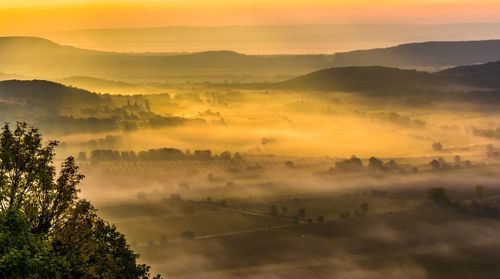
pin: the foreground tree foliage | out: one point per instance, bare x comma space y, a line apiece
45, 230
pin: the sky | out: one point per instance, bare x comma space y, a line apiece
23, 17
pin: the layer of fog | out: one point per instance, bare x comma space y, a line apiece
304, 124
313, 131
269, 39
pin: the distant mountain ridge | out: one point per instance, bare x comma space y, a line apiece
274, 39
427, 54
44, 59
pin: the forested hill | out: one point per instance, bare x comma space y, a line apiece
44, 59
426, 54
384, 79
483, 75
37, 57
364, 79
42, 91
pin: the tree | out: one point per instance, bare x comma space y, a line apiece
435, 165
479, 191
237, 157
437, 146
438, 196
443, 164
46, 231
187, 235
273, 210
226, 155
91, 246
21, 253
375, 164
352, 164
345, 215
365, 208
392, 166
28, 180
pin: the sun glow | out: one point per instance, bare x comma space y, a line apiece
29, 17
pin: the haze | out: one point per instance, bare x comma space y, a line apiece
250, 139
243, 25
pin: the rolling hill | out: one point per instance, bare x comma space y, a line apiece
46, 92
364, 79
43, 59
485, 75
427, 54
481, 77
57, 108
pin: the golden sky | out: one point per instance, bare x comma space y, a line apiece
18, 17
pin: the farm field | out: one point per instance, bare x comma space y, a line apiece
369, 245
247, 223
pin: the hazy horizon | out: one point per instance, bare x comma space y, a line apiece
251, 27
269, 39
250, 139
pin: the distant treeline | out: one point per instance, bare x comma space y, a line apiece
487, 133
355, 164
161, 154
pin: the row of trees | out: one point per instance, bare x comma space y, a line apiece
440, 197
46, 231
375, 164
487, 133
161, 154
300, 215
357, 212
441, 164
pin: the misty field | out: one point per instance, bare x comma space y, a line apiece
282, 192
377, 163
206, 227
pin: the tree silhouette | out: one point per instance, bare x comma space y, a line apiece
50, 232
479, 191
375, 164
439, 196
437, 146
365, 208
187, 234
273, 210
435, 165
